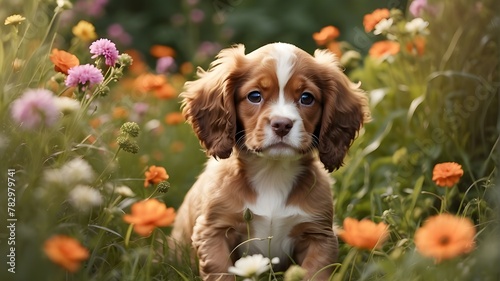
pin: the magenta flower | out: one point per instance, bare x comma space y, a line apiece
106, 48
34, 108
84, 75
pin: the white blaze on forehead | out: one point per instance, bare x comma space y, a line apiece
284, 55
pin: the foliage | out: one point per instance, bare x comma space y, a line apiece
434, 99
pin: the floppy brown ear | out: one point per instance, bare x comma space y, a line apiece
345, 109
208, 103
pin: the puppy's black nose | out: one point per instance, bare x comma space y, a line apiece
281, 126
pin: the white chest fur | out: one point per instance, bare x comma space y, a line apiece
272, 218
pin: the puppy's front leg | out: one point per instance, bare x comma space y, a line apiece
213, 251
315, 251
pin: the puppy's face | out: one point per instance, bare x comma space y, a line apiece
278, 103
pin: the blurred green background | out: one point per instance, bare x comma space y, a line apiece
185, 25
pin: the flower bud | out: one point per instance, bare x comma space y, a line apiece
130, 128
163, 186
125, 60
248, 215
127, 145
295, 273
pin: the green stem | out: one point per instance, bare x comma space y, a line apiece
129, 233
345, 265
154, 192
107, 166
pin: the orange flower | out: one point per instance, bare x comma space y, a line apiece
417, 46
364, 234
447, 174
174, 118
384, 48
445, 236
149, 214
155, 175
138, 66
63, 60
95, 122
159, 51
370, 20
157, 84
166, 91
186, 68
120, 112
334, 47
149, 82
65, 251
177, 146
326, 34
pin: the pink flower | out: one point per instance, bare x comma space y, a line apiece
197, 15
165, 64
417, 7
106, 48
117, 32
34, 108
84, 75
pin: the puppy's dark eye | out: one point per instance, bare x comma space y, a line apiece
306, 98
254, 97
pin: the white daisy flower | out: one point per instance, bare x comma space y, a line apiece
67, 105
417, 26
84, 197
383, 26
251, 266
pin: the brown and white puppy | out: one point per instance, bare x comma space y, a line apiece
276, 121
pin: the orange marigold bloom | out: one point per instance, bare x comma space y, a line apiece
364, 234
149, 82
155, 175
417, 46
447, 174
159, 51
384, 48
445, 236
166, 91
65, 251
148, 214
325, 35
370, 20
174, 118
63, 60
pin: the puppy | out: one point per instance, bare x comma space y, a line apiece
276, 121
